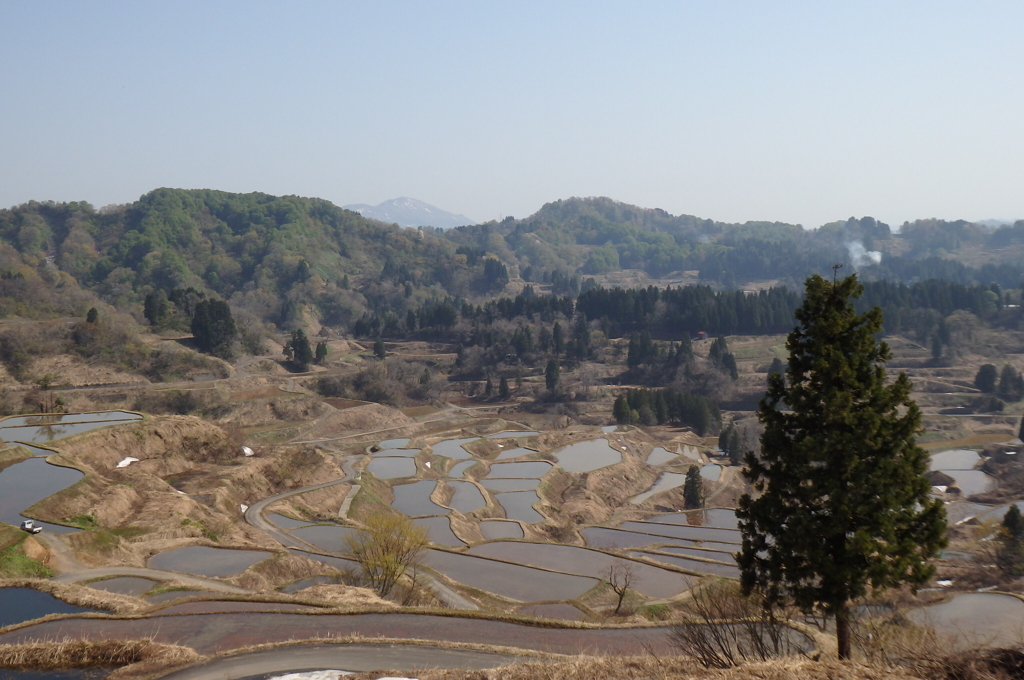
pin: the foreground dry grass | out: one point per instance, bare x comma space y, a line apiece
139, 658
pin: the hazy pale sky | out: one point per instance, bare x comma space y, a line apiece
794, 111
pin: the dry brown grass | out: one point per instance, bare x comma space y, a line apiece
80, 595
83, 654
671, 668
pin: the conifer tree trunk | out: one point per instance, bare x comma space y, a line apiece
843, 631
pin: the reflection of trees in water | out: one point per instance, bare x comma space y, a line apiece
51, 432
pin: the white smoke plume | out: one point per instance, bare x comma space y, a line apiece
861, 256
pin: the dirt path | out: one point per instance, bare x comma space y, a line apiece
214, 633
345, 657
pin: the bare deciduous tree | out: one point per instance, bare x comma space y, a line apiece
620, 576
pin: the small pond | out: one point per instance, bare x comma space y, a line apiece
512, 435
205, 561
413, 500
958, 459
392, 468
500, 485
496, 528
667, 480
514, 581
467, 497
647, 579
439, 530
125, 585
519, 505
660, 456
514, 453
452, 448
28, 482
287, 522
696, 565
326, 537
459, 469
721, 518
587, 456
687, 532
984, 619
527, 469
971, 482
396, 453
24, 604
558, 611
711, 472
393, 443
310, 582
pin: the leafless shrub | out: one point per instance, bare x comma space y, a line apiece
725, 629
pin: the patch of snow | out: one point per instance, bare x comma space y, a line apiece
126, 461
247, 452
427, 463
940, 488
243, 506
944, 584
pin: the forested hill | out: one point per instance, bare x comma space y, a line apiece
269, 255
594, 236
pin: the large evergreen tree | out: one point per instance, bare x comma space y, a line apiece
841, 503
213, 327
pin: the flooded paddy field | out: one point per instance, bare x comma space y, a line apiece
439, 530
660, 456
396, 453
210, 562
514, 581
649, 580
517, 452
287, 522
513, 435
459, 469
697, 566
28, 482
722, 518
666, 481
711, 472
125, 585
692, 533
587, 456
958, 459
326, 537
392, 468
172, 595
496, 528
47, 428
466, 497
452, 448
528, 469
18, 605
518, 505
976, 619
971, 482
394, 443
413, 500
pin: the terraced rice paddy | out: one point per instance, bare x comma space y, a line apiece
287, 522
557, 611
42, 429
466, 497
393, 443
528, 469
660, 456
413, 500
392, 468
396, 453
512, 435
171, 595
439, 530
971, 482
988, 619
24, 604
697, 566
711, 472
722, 518
204, 561
452, 448
26, 483
666, 481
459, 469
514, 581
125, 585
587, 456
691, 533
649, 580
958, 459
518, 505
326, 537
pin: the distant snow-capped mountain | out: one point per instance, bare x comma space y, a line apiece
409, 212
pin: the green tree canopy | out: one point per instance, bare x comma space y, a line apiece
985, 380
840, 500
213, 327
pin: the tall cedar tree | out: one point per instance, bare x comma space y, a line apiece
693, 489
551, 375
302, 353
213, 327
841, 500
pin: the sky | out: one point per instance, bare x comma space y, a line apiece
801, 112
